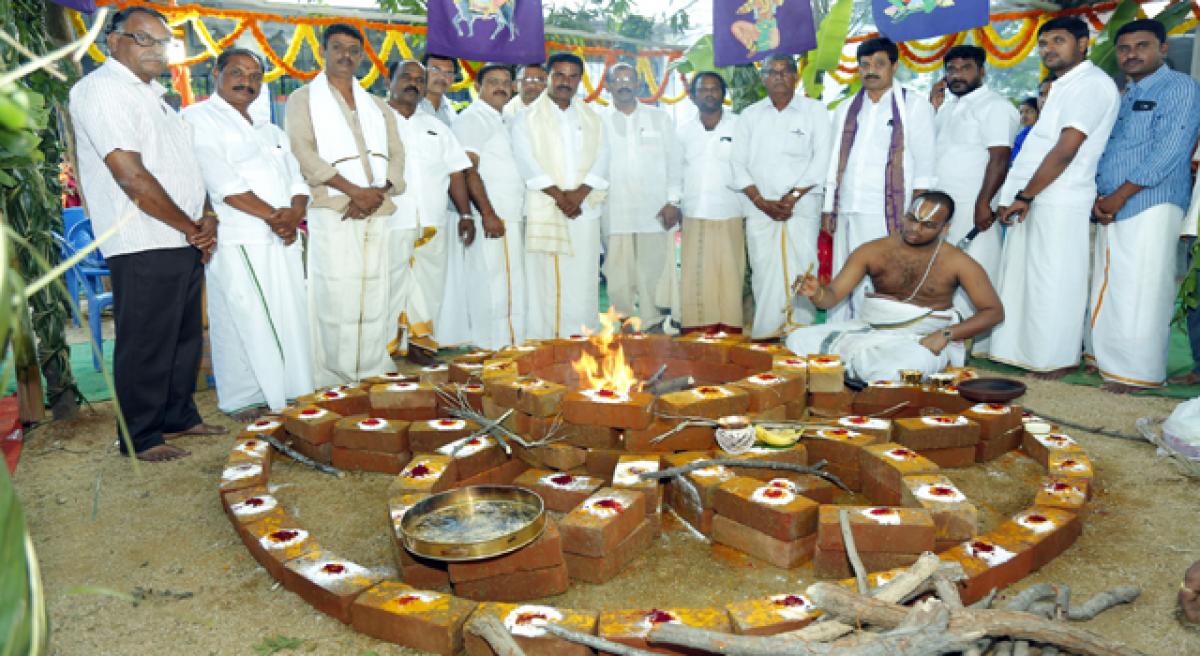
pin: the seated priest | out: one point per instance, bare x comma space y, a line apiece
908, 320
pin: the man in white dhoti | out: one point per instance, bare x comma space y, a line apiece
714, 235
441, 73
428, 286
531, 82
354, 166
909, 320
563, 156
257, 305
641, 210
495, 263
1144, 184
875, 169
975, 131
780, 153
1047, 199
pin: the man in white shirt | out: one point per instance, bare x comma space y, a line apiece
779, 160
354, 166
563, 156
714, 234
1047, 200
257, 309
138, 174
875, 170
442, 73
428, 292
495, 263
531, 82
975, 131
640, 208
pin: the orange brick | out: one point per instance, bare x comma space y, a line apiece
831, 403
884, 465
311, 423
710, 401
937, 432
631, 626
826, 374
419, 619
517, 586
880, 429
955, 518
780, 553
524, 623
432, 434
841, 449
771, 389
343, 399
404, 396
371, 434
598, 569
959, 456
1039, 447
436, 374
626, 476
275, 538
877, 529
328, 583
836, 564
371, 461
560, 491
692, 438
605, 408
1065, 493
602, 521
771, 615
425, 473
775, 509
545, 551
797, 454
1051, 531
757, 357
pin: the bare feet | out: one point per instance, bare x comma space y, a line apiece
1190, 378
1119, 388
163, 453
1055, 374
246, 416
1189, 594
198, 429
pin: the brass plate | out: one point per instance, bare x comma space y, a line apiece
470, 523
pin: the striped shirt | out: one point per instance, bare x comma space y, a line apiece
112, 109
1151, 144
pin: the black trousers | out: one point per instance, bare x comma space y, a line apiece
159, 340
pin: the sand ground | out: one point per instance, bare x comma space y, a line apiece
160, 535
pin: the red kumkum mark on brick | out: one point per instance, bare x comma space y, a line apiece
881, 512
941, 491
562, 479
773, 492
447, 422
708, 391
902, 453
982, 547
405, 600
766, 376
263, 422
283, 535
254, 502
250, 444
790, 600
1036, 519
331, 395
529, 618
1069, 463
1062, 487
310, 412
996, 406
420, 471
657, 616
606, 394
333, 568
371, 422
610, 504
858, 420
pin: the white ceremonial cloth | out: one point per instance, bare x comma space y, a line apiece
705, 170
1133, 296
967, 127
257, 305
563, 290
114, 110
777, 151
348, 297
863, 185
335, 140
641, 154
883, 340
1043, 278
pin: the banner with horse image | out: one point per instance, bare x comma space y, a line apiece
906, 20
745, 31
506, 31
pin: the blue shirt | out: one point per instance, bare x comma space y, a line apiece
1151, 144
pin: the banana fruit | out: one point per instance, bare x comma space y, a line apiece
781, 437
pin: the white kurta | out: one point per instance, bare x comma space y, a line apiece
564, 290
427, 264
777, 151
641, 144
1043, 279
861, 191
967, 127
495, 267
257, 309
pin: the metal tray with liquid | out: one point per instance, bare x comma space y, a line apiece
471, 523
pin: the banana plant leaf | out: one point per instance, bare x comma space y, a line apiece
831, 38
1104, 51
1174, 15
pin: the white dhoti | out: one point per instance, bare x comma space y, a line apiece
984, 249
853, 230
496, 302
1133, 296
418, 280
348, 297
452, 323
258, 325
779, 252
1043, 287
883, 340
633, 265
564, 290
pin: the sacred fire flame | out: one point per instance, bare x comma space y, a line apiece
612, 372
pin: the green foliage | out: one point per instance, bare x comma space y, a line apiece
1104, 51
276, 644
831, 38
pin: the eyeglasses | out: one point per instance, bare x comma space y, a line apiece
434, 70
786, 72
146, 41
533, 80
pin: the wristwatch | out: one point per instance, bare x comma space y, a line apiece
466, 217
947, 333
795, 193
1023, 198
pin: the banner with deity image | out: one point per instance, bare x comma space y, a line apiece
505, 31
906, 20
745, 31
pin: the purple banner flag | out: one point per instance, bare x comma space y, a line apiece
83, 6
906, 20
749, 30
507, 31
